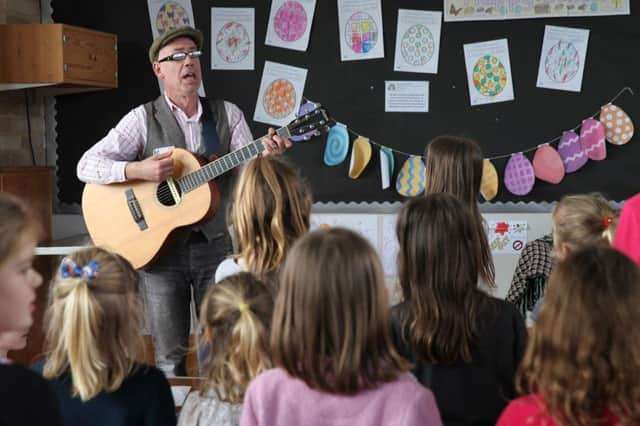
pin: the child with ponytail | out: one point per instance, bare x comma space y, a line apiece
579, 221
235, 319
93, 344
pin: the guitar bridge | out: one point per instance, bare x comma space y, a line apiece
135, 210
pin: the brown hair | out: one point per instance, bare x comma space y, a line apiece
584, 219
17, 225
438, 274
271, 210
94, 325
584, 354
235, 318
331, 324
454, 165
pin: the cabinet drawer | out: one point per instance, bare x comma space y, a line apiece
89, 57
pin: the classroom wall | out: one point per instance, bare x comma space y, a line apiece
14, 136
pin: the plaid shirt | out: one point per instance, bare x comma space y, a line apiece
531, 274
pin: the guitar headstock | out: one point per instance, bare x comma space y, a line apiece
312, 120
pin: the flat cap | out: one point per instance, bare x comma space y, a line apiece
172, 34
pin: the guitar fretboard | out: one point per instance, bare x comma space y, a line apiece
212, 170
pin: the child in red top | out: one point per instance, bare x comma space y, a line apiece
583, 359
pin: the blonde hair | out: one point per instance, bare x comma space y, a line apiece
235, 320
584, 353
331, 324
94, 325
271, 209
454, 165
584, 219
17, 225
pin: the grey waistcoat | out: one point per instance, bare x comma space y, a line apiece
163, 130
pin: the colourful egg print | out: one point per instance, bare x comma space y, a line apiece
361, 32
290, 21
417, 45
562, 62
233, 43
171, 15
489, 76
279, 99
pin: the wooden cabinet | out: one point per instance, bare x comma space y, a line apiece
33, 185
35, 55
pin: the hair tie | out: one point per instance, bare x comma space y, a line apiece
607, 221
243, 307
68, 268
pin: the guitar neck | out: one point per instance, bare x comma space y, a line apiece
212, 170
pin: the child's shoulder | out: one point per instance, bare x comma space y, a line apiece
527, 409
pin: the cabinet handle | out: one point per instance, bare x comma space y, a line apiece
65, 67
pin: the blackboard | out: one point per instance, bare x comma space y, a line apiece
353, 92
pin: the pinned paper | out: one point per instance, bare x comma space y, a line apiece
571, 152
618, 125
519, 176
489, 182
360, 156
386, 166
411, 178
592, 139
547, 164
507, 236
335, 151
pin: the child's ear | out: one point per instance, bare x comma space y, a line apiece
210, 334
564, 250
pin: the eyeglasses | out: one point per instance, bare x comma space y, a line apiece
181, 56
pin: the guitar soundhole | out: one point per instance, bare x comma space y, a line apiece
166, 196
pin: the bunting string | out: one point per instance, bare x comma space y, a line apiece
497, 157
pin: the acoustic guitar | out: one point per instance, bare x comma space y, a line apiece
135, 218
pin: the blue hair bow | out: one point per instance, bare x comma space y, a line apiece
68, 268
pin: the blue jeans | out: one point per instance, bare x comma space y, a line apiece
189, 262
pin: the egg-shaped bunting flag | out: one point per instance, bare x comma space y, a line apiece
360, 156
489, 182
518, 175
571, 152
335, 150
592, 139
618, 125
386, 166
411, 177
547, 164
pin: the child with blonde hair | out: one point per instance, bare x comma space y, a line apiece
331, 343
582, 363
235, 320
464, 344
454, 165
271, 210
579, 221
25, 399
93, 344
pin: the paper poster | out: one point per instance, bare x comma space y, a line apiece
406, 96
477, 10
418, 41
232, 38
364, 224
169, 14
390, 246
165, 15
360, 26
507, 236
290, 23
280, 93
562, 59
488, 72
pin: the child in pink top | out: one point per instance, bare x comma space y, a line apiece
582, 363
332, 345
627, 238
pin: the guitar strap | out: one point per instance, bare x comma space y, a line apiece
209, 133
